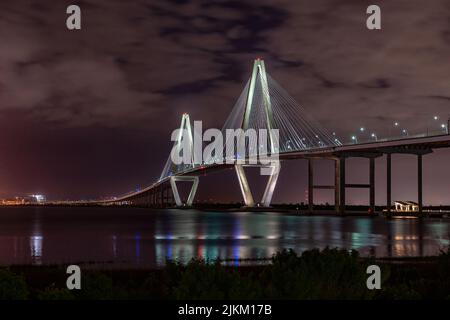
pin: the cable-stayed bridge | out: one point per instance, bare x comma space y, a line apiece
264, 105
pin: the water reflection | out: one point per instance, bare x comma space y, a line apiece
36, 249
36, 240
141, 237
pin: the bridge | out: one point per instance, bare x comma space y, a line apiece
264, 104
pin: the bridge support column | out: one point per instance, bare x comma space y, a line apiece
167, 198
419, 152
372, 184
161, 196
310, 185
388, 182
176, 194
270, 187
342, 185
245, 187
337, 180
164, 196
336, 186
419, 183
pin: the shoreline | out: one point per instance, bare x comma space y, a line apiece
322, 210
228, 263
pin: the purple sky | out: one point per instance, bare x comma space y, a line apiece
89, 113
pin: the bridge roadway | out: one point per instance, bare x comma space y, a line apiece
159, 194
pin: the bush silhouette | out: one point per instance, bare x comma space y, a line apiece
326, 274
12, 286
200, 280
96, 286
51, 293
315, 274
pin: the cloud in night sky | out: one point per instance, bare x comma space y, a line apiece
89, 113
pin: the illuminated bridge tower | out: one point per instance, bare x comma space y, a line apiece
264, 104
171, 169
258, 114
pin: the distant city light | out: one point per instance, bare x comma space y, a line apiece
38, 197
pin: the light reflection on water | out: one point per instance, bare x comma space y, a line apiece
143, 237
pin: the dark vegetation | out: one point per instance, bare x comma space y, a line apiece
326, 274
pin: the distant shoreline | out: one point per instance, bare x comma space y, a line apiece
242, 263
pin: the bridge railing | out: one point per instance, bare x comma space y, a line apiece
403, 135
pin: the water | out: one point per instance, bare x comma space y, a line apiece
144, 238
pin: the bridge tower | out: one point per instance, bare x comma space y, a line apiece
259, 78
170, 169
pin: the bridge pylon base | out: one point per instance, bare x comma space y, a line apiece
245, 187
176, 194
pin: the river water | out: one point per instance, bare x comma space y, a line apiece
137, 237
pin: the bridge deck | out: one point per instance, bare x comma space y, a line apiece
405, 145
414, 145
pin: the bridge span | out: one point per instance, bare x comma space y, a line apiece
263, 104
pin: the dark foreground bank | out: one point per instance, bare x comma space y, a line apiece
326, 274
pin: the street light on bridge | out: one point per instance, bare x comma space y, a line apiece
373, 135
355, 139
396, 125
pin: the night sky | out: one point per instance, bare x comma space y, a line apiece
89, 113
